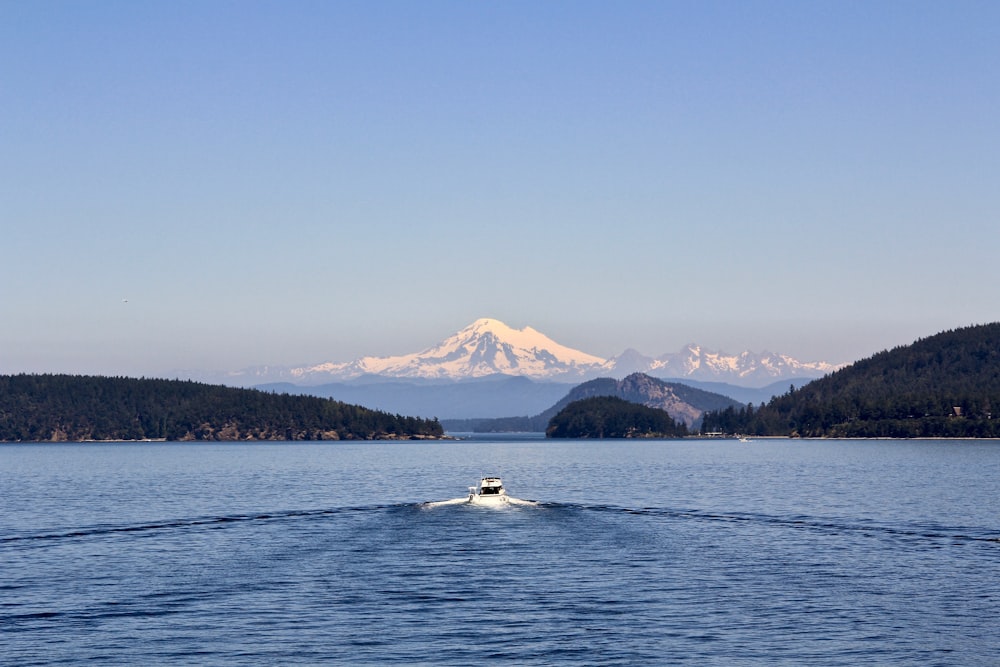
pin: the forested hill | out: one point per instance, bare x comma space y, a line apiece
75, 408
612, 417
946, 385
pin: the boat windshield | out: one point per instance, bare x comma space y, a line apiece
487, 490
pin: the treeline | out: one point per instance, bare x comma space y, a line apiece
77, 408
946, 385
612, 417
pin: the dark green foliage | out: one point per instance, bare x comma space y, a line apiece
70, 407
612, 417
943, 386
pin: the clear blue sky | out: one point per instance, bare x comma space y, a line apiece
297, 182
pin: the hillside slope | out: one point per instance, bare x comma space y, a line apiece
947, 385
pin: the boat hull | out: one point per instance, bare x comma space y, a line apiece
477, 499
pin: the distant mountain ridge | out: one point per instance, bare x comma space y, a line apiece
683, 403
489, 397
490, 347
492, 396
695, 362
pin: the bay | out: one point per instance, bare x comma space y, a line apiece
773, 552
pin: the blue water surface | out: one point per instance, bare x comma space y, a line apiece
774, 552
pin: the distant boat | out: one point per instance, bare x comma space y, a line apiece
743, 438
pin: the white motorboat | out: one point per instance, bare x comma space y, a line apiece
490, 492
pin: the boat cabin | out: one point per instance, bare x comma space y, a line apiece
490, 486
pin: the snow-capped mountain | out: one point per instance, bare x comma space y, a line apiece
489, 347
485, 347
697, 363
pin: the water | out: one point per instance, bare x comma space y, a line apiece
666, 553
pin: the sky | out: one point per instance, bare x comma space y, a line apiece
217, 185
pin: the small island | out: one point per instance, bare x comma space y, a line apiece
612, 417
73, 408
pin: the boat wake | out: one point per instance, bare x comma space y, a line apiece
182, 524
908, 532
442, 503
489, 493
832, 525
465, 501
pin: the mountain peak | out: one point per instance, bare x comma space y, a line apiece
488, 346
485, 347
487, 324
521, 341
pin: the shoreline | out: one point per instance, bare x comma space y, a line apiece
452, 438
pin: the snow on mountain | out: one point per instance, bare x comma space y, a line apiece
489, 347
696, 363
486, 347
